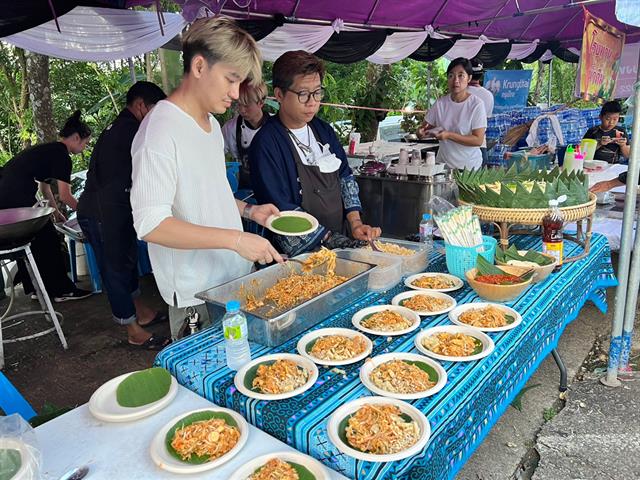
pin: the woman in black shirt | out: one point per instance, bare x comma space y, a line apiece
22, 176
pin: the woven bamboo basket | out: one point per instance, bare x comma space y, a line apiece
532, 216
506, 218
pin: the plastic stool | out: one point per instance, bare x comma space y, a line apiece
12, 402
92, 264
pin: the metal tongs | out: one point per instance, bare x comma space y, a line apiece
307, 265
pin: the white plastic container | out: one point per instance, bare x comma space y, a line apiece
411, 264
388, 271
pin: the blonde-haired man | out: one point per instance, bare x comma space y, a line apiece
182, 203
239, 131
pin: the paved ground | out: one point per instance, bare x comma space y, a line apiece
507, 452
596, 436
98, 351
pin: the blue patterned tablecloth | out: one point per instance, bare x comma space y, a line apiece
461, 414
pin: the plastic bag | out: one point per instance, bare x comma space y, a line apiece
20, 458
440, 206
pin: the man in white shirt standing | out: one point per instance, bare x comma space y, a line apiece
182, 202
475, 88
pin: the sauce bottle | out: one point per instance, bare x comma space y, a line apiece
552, 231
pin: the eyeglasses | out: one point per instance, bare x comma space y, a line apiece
304, 96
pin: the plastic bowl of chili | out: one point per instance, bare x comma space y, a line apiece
500, 287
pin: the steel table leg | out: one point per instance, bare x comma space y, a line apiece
563, 370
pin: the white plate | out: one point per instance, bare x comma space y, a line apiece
313, 465
405, 312
369, 365
454, 314
163, 459
103, 404
405, 295
351, 407
325, 332
458, 283
487, 343
301, 361
293, 213
28, 455
596, 164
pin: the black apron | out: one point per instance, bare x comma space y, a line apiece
244, 178
321, 192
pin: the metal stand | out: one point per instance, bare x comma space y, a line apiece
43, 297
581, 238
563, 370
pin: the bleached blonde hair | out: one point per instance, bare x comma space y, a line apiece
252, 93
220, 39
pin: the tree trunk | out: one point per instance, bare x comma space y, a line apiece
163, 70
366, 121
40, 96
539, 81
148, 66
24, 92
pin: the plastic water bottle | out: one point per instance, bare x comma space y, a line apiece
426, 230
236, 335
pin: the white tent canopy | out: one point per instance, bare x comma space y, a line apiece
104, 34
99, 34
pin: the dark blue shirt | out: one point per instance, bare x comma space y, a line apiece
274, 174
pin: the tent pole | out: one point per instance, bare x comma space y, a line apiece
549, 83
626, 299
429, 67
632, 289
132, 70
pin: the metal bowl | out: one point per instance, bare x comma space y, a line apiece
18, 226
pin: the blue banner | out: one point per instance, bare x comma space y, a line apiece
510, 88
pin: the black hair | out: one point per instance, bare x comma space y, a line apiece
74, 124
463, 62
478, 69
149, 92
292, 63
611, 107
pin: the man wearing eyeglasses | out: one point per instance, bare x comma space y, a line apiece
238, 132
298, 163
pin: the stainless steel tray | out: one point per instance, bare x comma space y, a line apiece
270, 328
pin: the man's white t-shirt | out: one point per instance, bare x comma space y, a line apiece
306, 137
179, 171
485, 95
487, 98
462, 118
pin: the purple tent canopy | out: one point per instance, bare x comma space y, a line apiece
492, 18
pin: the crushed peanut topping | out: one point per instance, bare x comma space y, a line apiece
379, 429
398, 376
386, 321
338, 347
212, 438
280, 377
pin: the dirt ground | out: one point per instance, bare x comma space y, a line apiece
98, 349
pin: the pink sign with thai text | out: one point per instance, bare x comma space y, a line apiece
628, 73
